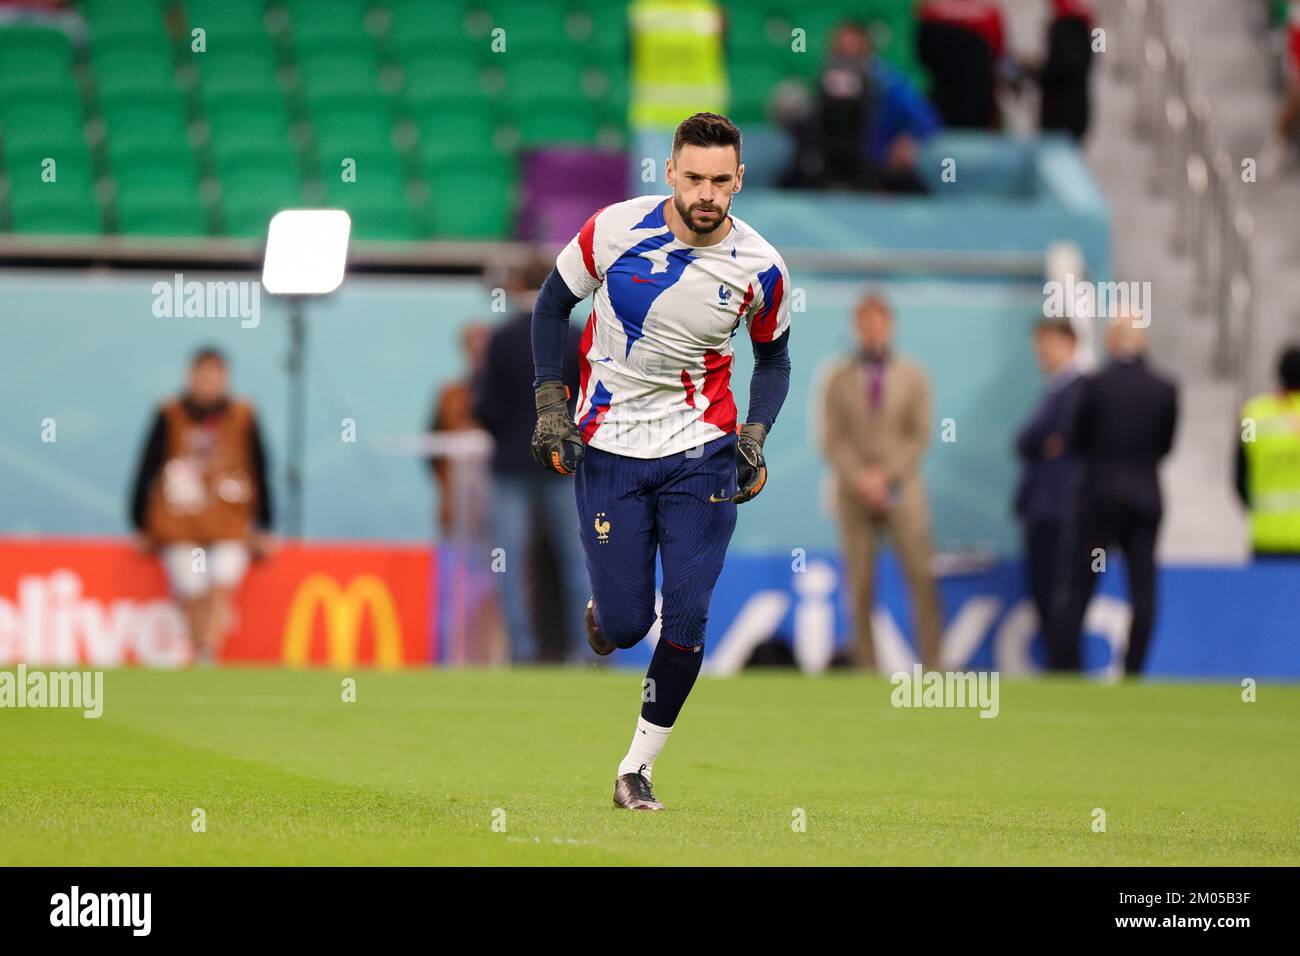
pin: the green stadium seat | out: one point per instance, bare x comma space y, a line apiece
151, 216
133, 67
377, 201
56, 212
139, 13
607, 37
259, 164
220, 18
555, 122
111, 21
275, 162
57, 99
391, 222
73, 170
320, 103
612, 98
749, 36
527, 23
144, 126
817, 25
471, 158
52, 123
243, 68
267, 100
425, 26
531, 76
379, 176
769, 8
332, 73
345, 130
255, 190
441, 79
469, 205
318, 25
164, 172
251, 221
457, 128
153, 46
459, 46
751, 89
161, 100
32, 59
239, 124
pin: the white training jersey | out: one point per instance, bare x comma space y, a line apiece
655, 364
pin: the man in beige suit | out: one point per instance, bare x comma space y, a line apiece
875, 426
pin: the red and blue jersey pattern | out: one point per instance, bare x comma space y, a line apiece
656, 353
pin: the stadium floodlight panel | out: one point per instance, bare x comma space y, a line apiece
306, 251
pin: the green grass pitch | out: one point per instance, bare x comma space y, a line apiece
418, 768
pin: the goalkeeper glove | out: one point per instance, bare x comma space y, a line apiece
557, 446
751, 469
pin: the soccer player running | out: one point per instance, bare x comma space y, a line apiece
659, 463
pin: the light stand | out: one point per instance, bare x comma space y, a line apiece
306, 255
297, 430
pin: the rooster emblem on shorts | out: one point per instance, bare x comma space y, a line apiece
602, 528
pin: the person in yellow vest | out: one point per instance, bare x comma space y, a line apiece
1268, 463
678, 63
202, 500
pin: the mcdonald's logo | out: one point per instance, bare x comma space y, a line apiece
343, 610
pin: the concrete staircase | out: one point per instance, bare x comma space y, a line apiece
1231, 66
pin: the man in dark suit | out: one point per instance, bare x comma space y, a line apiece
1049, 478
526, 500
1123, 427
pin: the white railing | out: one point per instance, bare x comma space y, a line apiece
1210, 225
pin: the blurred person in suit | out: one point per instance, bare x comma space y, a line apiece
201, 498
1123, 427
875, 429
1049, 473
524, 497
1268, 463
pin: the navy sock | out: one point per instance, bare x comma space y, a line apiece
673, 671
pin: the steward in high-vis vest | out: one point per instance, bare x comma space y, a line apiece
1268, 463
201, 498
678, 63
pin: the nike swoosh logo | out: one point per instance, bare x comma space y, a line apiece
715, 498
640, 281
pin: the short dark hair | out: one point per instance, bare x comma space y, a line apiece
1057, 326
1288, 368
207, 353
707, 129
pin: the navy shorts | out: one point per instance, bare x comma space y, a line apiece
629, 508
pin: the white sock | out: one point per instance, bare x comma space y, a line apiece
647, 740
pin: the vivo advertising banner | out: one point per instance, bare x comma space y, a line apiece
342, 605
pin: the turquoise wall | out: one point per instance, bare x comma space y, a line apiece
87, 352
